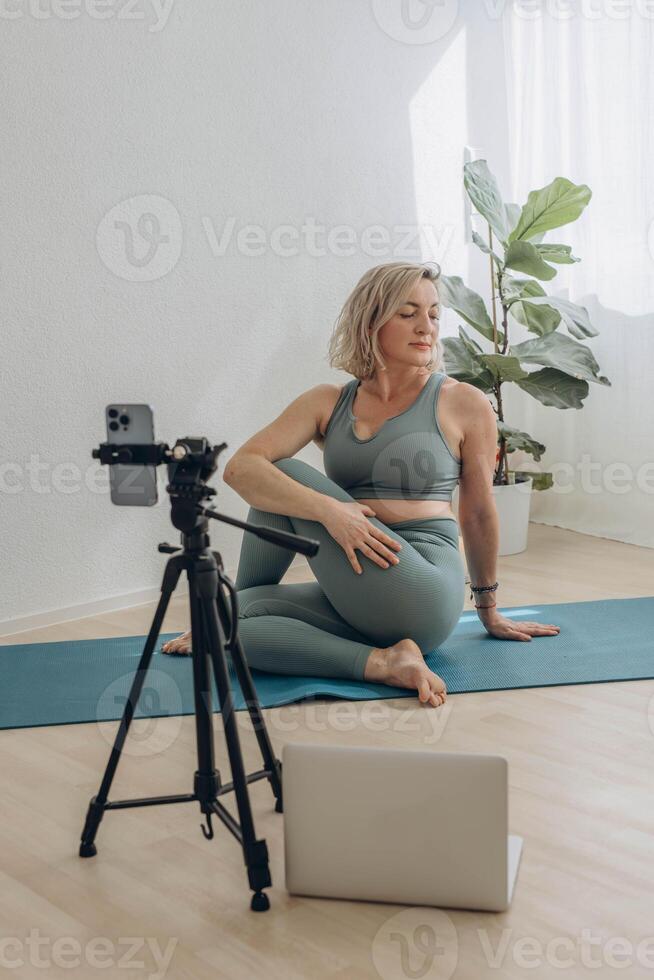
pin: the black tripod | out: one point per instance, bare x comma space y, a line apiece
212, 619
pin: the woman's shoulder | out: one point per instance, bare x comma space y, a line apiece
463, 394
460, 409
328, 395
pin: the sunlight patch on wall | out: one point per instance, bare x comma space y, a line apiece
439, 130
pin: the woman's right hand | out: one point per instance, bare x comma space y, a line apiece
348, 524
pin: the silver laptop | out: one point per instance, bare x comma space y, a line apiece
409, 826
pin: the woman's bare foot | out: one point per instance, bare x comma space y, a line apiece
181, 644
402, 665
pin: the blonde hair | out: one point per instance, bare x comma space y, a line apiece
378, 295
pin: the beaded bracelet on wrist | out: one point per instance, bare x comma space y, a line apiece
483, 588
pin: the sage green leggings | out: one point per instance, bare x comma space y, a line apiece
328, 627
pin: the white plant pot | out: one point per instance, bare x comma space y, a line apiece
512, 502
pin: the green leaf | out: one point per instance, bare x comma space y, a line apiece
513, 289
539, 481
456, 296
540, 320
462, 362
471, 344
562, 254
557, 204
525, 257
505, 367
574, 316
516, 439
484, 193
480, 243
555, 388
559, 351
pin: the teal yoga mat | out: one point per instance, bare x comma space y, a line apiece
88, 680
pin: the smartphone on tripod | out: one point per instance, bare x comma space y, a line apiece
131, 485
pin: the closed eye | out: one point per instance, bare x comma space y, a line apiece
432, 316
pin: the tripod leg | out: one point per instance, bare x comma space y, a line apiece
255, 852
207, 779
97, 805
270, 763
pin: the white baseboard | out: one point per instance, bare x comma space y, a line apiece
83, 610
113, 603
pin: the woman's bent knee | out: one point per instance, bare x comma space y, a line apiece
431, 625
444, 627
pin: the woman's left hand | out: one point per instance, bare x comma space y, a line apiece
512, 629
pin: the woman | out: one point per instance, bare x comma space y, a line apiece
390, 582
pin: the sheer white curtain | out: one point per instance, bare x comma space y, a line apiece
580, 89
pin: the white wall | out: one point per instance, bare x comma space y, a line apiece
263, 114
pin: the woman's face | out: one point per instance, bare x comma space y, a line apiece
416, 321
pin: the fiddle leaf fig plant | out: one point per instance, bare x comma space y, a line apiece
553, 367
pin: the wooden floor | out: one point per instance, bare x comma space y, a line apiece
581, 770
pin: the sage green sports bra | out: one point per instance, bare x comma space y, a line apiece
407, 458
